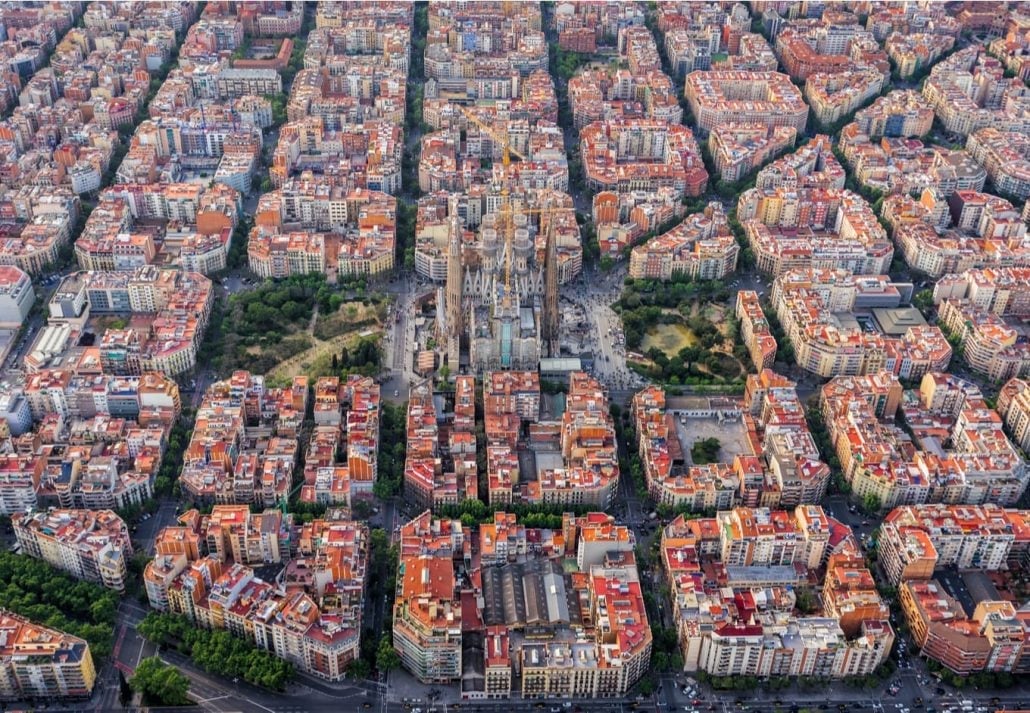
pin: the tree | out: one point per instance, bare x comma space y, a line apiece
34, 589
218, 651
923, 300
160, 684
359, 669
705, 451
387, 658
806, 601
871, 504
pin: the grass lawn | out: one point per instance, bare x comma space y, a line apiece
670, 338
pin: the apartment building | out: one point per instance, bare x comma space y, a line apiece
992, 639
60, 133
981, 466
913, 52
749, 625
171, 310
883, 21
232, 83
120, 232
1014, 409
175, 547
449, 616
500, 47
230, 462
990, 345
585, 468
833, 96
738, 148
1011, 49
510, 399
967, 230
356, 232
899, 165
918, 539
701, 247
356, 154
312, 618
915, 541
92, 545
828, 48
427, 611
98, 442
636, 45
768, 98
624, 155
622, 219
798, 216
441, 473
37, 662
780, 468
816, 310
968, 91
902, 113
604, 94
754, 330
43, 226
16, 296
1005, 156
354, 407
599, 21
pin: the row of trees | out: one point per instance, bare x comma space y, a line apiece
784, 349
473, 512
392, 450
629, 459
982, 680
217, 651
817, 427
405, 244
378, 655
171, 463
300, 46
37, 591
747, 256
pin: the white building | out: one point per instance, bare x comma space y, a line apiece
16, 296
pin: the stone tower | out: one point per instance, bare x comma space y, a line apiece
452, 296
551, 292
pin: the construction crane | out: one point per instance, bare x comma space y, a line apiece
507, 211
506, 153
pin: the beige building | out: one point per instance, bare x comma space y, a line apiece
89, 545
1014, 408
38, 663
701, 247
